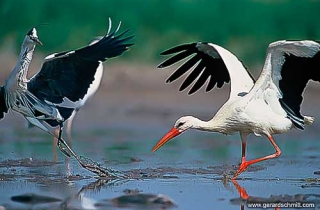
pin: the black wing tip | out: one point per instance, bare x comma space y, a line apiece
125, 32
296, 118
179, 48
200, 73
192, 91
161, 66
180, 54
168, 81
111, 36
111, 45
129, 38
169, 51
113, 39
207, 89
118, 37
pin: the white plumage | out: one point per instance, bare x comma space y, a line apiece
270, 105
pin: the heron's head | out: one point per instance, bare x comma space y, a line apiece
32, 37
181, 125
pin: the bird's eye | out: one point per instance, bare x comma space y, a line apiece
180, 124
32, 38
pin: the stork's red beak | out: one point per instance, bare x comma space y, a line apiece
170, 135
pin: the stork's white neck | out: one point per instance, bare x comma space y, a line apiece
211, 125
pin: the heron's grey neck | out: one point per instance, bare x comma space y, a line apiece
18, 76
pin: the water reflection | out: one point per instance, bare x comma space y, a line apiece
134, 199
80, 200
274, 201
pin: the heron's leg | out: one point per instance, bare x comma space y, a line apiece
64, 150
61, 143
54, 144
243, 166
69, 126
86, 162
68, 131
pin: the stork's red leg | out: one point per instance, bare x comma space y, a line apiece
243, 151
242, 192
244, 164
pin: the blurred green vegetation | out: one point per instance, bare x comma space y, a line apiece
245, 27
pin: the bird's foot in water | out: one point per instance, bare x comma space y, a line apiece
99, 170
89, 164
243, 166
64, 148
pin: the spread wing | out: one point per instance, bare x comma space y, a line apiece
208, 62
69, 74
288, 67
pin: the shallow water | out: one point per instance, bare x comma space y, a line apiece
192, 170
119, 127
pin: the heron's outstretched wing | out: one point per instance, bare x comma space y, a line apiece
209, 62
69, 74
3, 106
288, 67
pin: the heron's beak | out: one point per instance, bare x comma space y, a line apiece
36, 40
170, 135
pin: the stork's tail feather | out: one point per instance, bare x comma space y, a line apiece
308, 120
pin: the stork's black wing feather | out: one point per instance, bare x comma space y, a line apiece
193, 75
183, 68
296, 72
3, 106
200, 81
70, 74
206, 67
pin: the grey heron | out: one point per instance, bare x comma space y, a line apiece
266, 106
50, 96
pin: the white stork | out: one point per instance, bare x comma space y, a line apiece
270, 105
